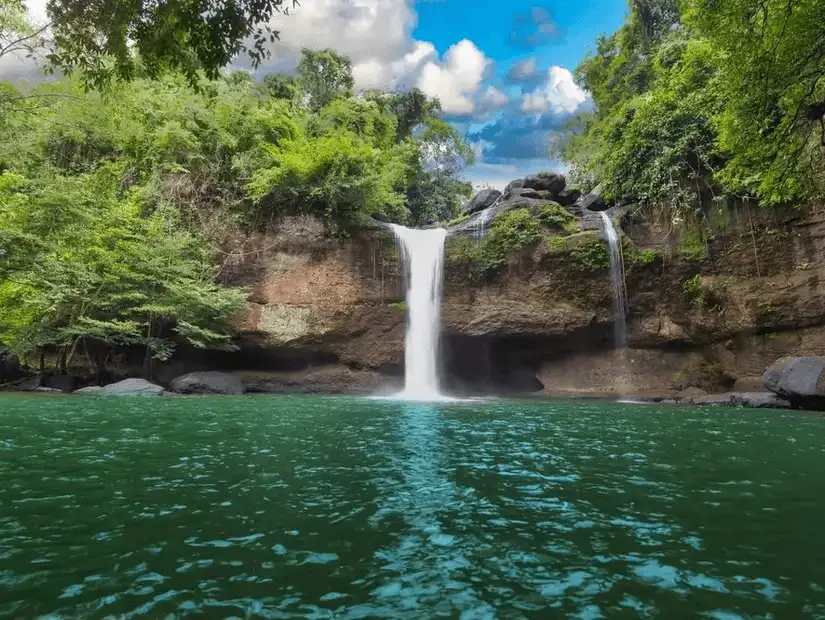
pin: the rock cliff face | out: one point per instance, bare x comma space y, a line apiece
327, 314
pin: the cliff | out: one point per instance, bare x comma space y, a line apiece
328, 315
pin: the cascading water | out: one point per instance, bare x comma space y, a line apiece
619, 297
422, 253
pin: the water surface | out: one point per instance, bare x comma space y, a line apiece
321, 507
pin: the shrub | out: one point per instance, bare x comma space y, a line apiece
587, 252
553, 215
510, 231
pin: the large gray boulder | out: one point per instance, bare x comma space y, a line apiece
800, 380
547, 181
568, 197
593, 201
481, 201
64, 383
132, 387
91, 389
209, 382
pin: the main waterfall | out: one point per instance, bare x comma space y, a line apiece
422, 253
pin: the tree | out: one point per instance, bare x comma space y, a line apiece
773, 56
435, 193
325, 76
106, 39
280, 86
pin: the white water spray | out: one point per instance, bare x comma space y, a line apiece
422, 253
619, 296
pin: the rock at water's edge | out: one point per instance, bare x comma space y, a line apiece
132, 387
63, 383
92, 389
481, 201
209, 382
691, 395
800, 380
753, 400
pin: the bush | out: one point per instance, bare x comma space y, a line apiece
510, 231
554, 216
586, 251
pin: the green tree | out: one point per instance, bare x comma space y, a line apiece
325, 76
772, 54
107, 39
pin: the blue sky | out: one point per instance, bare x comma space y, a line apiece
502, 70
541, 35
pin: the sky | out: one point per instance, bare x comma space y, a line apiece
501, 69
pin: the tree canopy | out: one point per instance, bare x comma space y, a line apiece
699, 99
118, 208
106, 39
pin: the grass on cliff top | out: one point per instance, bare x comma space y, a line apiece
519, 228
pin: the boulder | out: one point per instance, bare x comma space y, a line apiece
64, 383
547, 181
527, 192
568, 197
132, 387
593, 201
47, 389
210, 382
30, 385
512, 186
481, 201
92, 389
800, 380
9, 366
758, 400
753, 400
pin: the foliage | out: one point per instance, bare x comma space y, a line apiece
101, 271
704, 98
773, 123
115, 39
586, 251
399, 305
553, 215
510, 231
325, 76
118, 208
693, 286
647, 256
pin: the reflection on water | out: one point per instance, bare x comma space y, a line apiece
425, 566
301, 507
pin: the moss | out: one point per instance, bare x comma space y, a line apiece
586, 251
510, 231
456, 221
703, 295
691, 245
552, 215
399, 305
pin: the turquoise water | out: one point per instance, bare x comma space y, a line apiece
322, 507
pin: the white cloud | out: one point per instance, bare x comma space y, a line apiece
493, 99
559, 94
456, 81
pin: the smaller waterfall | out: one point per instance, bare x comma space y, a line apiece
480, 225
422, 253
619, 293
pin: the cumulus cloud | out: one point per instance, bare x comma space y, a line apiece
377, 37
455, 81
559, 93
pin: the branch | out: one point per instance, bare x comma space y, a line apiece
10, 46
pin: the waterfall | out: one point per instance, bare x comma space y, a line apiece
619, 297
422, 253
